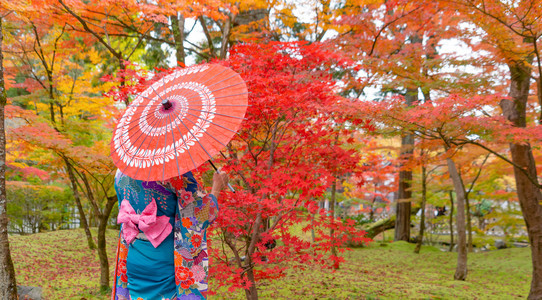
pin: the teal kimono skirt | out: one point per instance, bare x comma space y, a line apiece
162, 249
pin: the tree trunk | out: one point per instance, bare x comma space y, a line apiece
90, 195
381, 226
177, 28
461, 269
332, 231
8, 285
101, 218
313, 234
422, 219
404, 194
372, 211
210, 41
451, 221
226, 32
102, 253
77, 197
251, 293
469, 225
528, 194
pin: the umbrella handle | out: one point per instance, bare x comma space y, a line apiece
218, 172
231, 188
229, 185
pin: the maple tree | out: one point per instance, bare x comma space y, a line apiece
377, 46
453, 121
511, 34
398, 45
423, 160
289, 130
433, 183
86, 165
78, 20
8, 285
470, 161
89, 169
67, 118
163, 23
237, 22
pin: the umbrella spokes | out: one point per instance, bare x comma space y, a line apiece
137, 136
179, 122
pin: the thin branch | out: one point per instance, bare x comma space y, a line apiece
207, 35
233, 248
85, 26
55, 43
477, 176
381, 30
140, 39
520, 168
494, 17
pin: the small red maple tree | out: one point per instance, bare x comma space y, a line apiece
289, 151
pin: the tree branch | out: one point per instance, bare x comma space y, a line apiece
87, 29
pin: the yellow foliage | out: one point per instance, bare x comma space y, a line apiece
19, 5
18, 165
361, 3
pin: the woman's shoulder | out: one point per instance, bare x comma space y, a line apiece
183, 182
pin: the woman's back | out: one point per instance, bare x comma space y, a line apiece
163, 249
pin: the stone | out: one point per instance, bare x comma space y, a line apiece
500, 244
29, 292
520, 244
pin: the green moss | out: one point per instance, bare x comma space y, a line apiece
395, 272
61, 263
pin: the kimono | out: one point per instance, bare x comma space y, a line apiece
162, 248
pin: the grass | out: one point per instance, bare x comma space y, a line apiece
395, 272
62, 265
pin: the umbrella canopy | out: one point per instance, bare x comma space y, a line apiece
179, 122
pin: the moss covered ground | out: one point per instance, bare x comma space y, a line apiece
61, 263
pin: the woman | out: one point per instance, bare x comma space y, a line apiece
162, 251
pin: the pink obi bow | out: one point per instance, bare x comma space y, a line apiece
156, 229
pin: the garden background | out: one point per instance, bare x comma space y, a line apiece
390, 149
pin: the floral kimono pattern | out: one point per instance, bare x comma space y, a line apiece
173, 263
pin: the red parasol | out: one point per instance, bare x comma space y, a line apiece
179, 122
